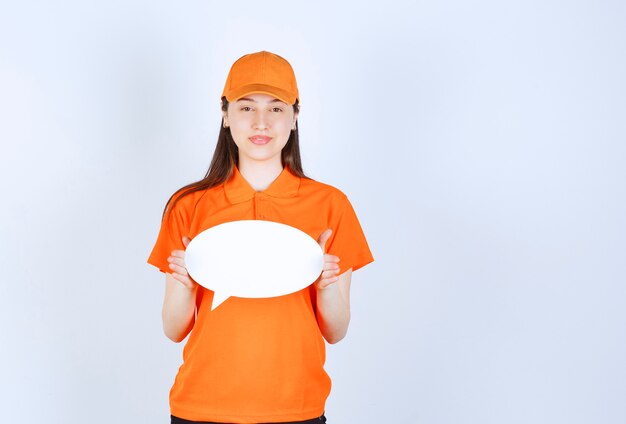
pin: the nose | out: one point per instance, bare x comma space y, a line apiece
260, 120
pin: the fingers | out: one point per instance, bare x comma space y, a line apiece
331, 266
180, 274
177, 265
325, 282
330, 271
186, 282
179, 254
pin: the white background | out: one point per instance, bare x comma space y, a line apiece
481, 143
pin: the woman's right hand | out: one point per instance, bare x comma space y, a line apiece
177, 265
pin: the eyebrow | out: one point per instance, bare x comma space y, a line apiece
252, 100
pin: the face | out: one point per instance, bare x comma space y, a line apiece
260, 125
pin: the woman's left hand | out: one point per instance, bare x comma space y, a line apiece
330, 271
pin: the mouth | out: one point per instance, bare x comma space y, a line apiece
260, 139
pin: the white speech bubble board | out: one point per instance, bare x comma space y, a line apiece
253, 259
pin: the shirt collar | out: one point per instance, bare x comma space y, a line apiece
239, 190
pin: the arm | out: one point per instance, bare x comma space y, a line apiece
179, 309
333, 296
179, 304
333, 308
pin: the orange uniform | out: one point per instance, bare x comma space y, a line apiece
258, 360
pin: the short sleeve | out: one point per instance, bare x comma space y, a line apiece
348, 240
173, 227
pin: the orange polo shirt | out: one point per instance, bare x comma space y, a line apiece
258, 360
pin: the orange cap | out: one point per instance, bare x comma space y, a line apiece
261, 72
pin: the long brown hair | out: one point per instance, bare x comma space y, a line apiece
226, 157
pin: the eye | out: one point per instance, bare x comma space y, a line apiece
277, 109
246, 108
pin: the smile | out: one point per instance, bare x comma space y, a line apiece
260, 139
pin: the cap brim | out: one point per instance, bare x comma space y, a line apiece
260, 88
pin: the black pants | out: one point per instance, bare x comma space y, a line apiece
319, 420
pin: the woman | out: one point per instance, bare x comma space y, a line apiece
257, 360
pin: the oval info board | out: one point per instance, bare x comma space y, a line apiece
253, 259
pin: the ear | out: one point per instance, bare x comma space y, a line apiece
225, 117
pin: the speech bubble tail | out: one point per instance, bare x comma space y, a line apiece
218, 299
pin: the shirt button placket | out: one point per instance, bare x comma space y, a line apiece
260, 207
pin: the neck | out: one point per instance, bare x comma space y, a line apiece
260, 175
